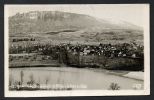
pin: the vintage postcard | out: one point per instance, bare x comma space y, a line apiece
77, 50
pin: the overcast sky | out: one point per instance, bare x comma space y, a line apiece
133, 13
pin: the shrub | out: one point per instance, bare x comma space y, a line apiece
114, 86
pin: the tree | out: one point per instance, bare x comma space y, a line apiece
21, 75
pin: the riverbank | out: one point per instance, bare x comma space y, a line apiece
34, 65
29, 63
137, 75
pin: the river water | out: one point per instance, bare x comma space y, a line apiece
90, 78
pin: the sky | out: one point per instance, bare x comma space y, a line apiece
133, 13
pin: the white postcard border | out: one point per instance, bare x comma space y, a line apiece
146, 90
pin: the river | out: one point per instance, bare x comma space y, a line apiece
90, 78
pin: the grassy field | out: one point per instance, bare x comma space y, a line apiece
30, 60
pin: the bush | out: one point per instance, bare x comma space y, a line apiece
114, 86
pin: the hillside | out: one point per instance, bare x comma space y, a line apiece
71, 26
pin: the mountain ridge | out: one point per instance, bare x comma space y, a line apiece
61, 20
71, 26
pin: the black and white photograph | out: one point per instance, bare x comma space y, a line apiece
76, 50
